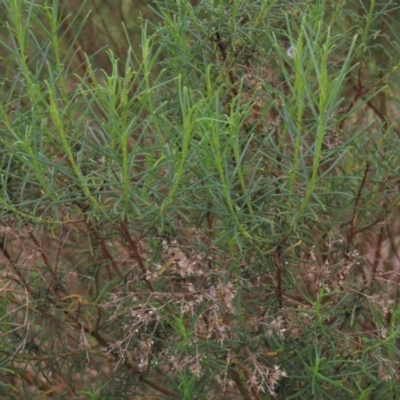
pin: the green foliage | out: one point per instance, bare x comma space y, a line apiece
195, 218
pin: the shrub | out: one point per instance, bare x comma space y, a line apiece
197, 222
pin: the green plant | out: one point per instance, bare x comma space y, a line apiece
192, 221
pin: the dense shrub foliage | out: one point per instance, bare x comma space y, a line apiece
209, 214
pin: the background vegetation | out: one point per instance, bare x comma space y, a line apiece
203, 208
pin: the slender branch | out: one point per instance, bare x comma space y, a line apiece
353, 223
135, 253
279, 265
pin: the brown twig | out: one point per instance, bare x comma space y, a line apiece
353, 223
21, 281
222, 48
359, 92
47, 262
239, 384
135, 253
279, 289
